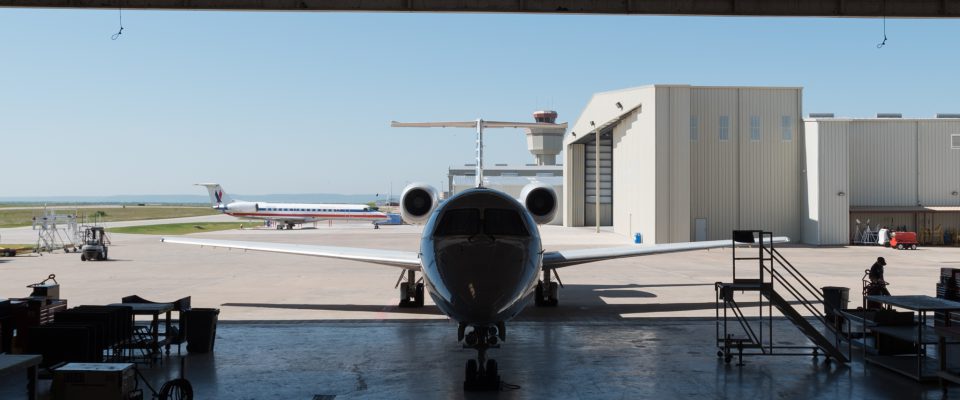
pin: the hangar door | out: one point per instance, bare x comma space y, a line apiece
605, 193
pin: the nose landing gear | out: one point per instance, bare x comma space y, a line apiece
482, 374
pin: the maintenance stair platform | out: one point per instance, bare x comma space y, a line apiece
739, 334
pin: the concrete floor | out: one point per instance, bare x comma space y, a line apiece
665, 358
294, 327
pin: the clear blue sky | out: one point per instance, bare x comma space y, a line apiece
301, 102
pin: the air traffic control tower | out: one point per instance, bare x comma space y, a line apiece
545, 143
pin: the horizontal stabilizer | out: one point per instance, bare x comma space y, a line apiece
473, 124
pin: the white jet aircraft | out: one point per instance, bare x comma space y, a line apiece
481, 258
290, 214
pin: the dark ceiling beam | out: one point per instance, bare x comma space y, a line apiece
787, 8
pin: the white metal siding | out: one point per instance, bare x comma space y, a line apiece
635, 171
673, 164
883, 163
769, 174
714, 181
834, 209
810, 202
939, 163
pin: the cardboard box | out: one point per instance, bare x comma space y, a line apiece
102, 381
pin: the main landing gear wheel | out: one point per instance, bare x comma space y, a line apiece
411, 291
547, 294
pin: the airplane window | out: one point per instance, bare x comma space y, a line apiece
498, 221
464, 221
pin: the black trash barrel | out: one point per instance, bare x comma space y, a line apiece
835, 298
201, 329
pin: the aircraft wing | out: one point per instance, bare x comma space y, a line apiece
393, 258
566, 258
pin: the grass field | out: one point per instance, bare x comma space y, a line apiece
24, 217
180, 229
16, 246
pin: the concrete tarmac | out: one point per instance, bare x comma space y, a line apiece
295, 327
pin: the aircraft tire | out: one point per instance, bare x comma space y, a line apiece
470, 374
418, 295
538, 295
492, 372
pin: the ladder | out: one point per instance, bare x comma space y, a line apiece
739, 334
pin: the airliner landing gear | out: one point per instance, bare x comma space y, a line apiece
547, 293
482, 373
411, 291
290, 226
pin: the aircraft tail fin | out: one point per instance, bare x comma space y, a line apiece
217, 195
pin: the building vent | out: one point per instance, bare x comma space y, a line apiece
948, 115
821, 115
499, 165
889, 115
955, 141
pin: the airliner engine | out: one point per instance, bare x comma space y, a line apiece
244, 207
417, 202
540, 200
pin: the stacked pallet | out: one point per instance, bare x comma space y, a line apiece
949, 289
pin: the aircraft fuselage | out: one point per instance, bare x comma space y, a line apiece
481, 256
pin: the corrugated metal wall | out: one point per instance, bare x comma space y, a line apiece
769, 168
834, 180
635, 163
673, 164
826, 210
714, 180
939, 163
883, 163
810, 199
742, 183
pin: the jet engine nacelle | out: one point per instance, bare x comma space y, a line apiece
417, 202
540, 200
243, 207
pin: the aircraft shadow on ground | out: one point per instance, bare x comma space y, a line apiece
577, 303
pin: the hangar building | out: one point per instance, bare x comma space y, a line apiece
891, 171
680, 163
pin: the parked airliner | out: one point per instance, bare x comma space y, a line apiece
481, 258
290, 214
